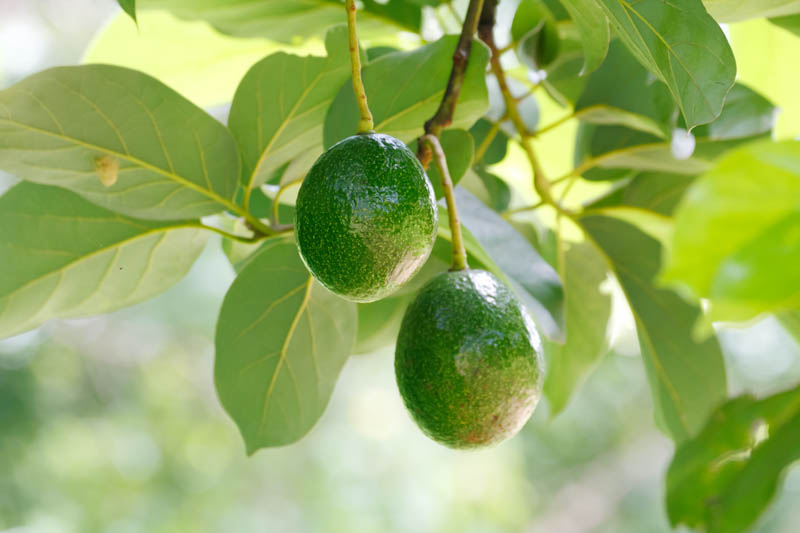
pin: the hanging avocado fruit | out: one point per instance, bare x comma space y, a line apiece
468, 360
366, 217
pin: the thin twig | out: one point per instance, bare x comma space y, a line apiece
459, 253
365, 124
276, 200
540, 181
444, 115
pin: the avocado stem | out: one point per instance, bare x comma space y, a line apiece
459, 253
365, 123
447, 107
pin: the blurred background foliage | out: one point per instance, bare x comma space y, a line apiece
111, 424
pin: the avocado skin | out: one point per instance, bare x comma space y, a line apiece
468, 361
366, 217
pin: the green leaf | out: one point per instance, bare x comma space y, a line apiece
65, 257
736, 10
379, 322
659, 192
129, 7
723, 479
280, 106
588, 309
281, 341
535, 29
498, 146
458, 148
283, 21
120, 139
687, 378
532, 278
691, 56
495, 192
640, 103
791, 23
734, 233
746, 116
405, 89
593, 28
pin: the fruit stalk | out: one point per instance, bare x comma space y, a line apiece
365, 123
459, 253
444, 115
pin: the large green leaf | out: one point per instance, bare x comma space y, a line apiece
687, 378
532, 278
405, 89
280, 106
120, 139
735, 10
593, 29
280, 20
65, 257
683, 46
737, 231
723, 479
281, 341
588, 310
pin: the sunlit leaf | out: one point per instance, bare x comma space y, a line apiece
736, 235
593, 28
65, 257
687, 377
120, 139
281, 341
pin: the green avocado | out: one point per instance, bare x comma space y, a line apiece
366, 217
468, 360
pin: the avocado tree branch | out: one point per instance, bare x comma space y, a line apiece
365, 123
444, 115
540, 182
459, 253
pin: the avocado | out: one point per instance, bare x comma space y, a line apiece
366, 217
468, 361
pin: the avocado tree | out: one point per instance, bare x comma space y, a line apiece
333, 187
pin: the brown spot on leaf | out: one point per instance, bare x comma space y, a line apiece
108, 169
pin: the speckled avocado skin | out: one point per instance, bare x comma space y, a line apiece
366, 217
468, 360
